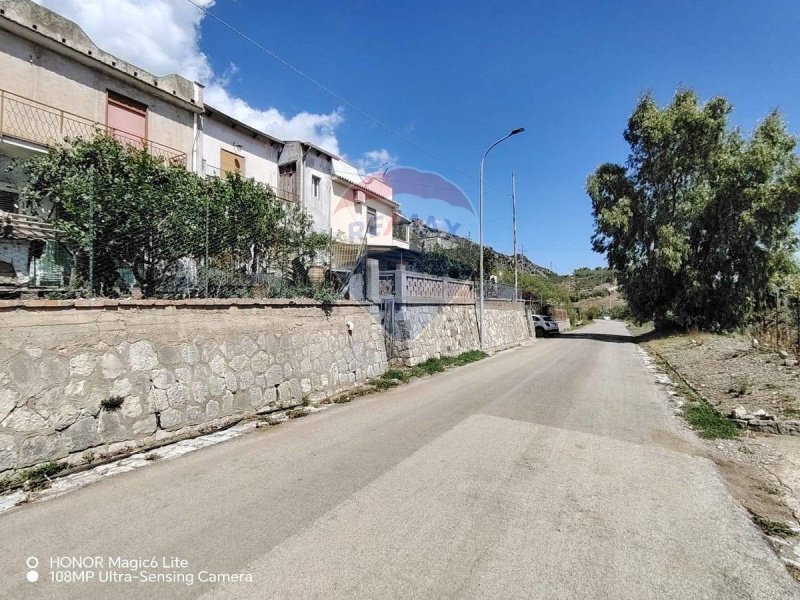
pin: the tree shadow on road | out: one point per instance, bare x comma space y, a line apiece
615, 338
599, 337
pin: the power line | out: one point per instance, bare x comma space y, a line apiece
329, 91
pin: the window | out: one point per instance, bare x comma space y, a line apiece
231, 163
126, 119
372, 221
8, 200
315, 181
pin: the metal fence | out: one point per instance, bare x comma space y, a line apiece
31, 121
499, 291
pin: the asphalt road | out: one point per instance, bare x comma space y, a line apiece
550, 471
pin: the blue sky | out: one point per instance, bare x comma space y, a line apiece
455, 76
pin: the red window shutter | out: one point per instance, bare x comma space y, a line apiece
126, 119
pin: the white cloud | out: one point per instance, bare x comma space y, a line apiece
376, 160
163, 36
319, 129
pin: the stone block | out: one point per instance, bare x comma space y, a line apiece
40, 448
53, 370
81, 435
24, 420
8, 452
171, 419
141, 356
82, 365
110, 426
111, 366
145, 426
170, 355
212, 409
178, 396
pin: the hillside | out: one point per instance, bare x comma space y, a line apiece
424, 237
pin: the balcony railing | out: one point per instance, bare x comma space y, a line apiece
212, 171
31, 121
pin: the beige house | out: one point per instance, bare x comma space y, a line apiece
230, 146
56, 84
363, 210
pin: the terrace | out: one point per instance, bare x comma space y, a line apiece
26, 120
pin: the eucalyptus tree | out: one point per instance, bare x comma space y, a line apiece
699, 223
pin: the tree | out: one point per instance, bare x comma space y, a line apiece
123, 209
699, 223
459, 262
120, 208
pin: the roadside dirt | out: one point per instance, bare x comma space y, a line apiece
729, 373
762, 470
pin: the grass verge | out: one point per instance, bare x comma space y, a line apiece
398, 375
431, 366
704, 418
36, 478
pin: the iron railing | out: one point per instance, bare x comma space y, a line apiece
494, 290
212, 171
30, 121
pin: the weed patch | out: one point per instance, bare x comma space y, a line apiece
706, 419
112, 403
770, 527
740, 387
385, 384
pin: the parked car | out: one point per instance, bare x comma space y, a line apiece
545, 325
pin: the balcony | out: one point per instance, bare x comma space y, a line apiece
212, 171
30, 121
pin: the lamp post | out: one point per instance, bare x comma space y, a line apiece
480, 221
514, 212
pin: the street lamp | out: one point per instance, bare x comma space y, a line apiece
480, 221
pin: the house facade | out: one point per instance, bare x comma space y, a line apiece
57, 84
230, 146
363, 210
305, 173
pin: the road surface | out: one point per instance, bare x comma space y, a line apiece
550, 471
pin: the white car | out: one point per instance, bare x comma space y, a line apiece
545, 325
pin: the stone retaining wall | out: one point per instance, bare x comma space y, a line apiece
173, 366
423, 331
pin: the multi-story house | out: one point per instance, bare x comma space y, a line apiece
363, 210
305, 170
296, 171
57, 84
230, 146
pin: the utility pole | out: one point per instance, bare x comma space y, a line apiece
514, 211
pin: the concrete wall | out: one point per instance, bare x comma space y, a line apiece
423, 331
177, 365
38, 73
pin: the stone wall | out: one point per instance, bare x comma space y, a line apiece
173, 366
505, 324
423, 331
